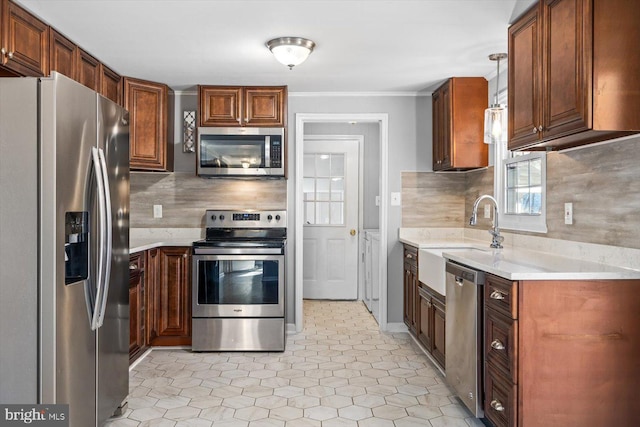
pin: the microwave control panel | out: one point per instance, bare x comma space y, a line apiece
276, 153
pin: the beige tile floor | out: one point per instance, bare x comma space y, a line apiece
341, 371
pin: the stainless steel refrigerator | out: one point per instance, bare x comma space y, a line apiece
64, 247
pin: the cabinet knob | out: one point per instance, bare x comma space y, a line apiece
184, 255
409, 256
239, 120
540, 128
496, 295
497, 344
497, 405
535, 129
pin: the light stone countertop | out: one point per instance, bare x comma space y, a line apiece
141, 239
512, 263
140, 245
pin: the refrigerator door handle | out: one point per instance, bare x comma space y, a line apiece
106, 248
99, 280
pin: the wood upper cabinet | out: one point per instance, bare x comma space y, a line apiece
573, 73
172, 297
110, 84
458, 122
150, 118
88, 72
24, 47
62, 54
242, 106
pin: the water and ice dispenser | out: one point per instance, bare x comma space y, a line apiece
76, 247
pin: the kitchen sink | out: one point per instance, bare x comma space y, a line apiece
431, 266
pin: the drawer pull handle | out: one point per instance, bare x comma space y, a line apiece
495, 404
133, 266
409, 256
496, 295
496, 344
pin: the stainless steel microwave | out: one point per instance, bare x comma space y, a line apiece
240, 152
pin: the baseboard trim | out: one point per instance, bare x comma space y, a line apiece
290, 328
395, 327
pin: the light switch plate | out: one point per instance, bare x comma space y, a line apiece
568, 213
157, 211
395, 199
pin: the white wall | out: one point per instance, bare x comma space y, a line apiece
405, 154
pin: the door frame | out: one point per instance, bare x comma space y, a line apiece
383, 120
360, 140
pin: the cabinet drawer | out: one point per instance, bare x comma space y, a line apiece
411, 256
136, 263
500, 404
502, 295
501, 343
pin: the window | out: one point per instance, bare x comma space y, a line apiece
520, 186
323, 189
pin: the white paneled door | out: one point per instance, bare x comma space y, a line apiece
330, 247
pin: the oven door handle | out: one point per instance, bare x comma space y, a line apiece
238, 251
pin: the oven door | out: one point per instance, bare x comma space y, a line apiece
238, 285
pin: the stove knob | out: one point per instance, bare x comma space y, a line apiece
269, 217
277, 217
213, 217
221, 217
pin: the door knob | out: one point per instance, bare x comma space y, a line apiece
352, 232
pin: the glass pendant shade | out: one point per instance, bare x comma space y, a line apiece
495, 125
291, 51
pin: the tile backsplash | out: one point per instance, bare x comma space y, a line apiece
185, 197
602, 182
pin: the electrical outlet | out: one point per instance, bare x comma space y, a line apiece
568, 213
395, 199
377, 200
157, 211
487, 211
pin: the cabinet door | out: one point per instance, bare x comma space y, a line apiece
524, 81
442, 128
62, 54
439, 327
425, 334
173, 297
406, 289
88, 70
220, 105
147, 105
136, 325
110, 84
264, 106
152, 259
437, 130
25, 41
500, 399
567, 73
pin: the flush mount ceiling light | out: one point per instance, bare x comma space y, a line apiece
291, 51
495, 117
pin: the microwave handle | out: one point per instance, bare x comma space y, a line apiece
267, 151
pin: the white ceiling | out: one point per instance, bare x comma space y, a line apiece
362, 46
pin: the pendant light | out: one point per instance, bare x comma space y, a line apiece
495, 117
291, 51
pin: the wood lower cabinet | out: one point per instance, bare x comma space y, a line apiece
150, 119
170, 298
432, 323
137, 315
24, 46
242, 106
410, 287
561, 353
458, 124
573, 73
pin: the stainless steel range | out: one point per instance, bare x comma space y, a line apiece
239, 282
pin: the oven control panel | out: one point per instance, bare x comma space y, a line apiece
246, 219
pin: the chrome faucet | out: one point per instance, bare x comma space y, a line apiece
497, 239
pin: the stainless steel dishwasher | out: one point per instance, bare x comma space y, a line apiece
463, 334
